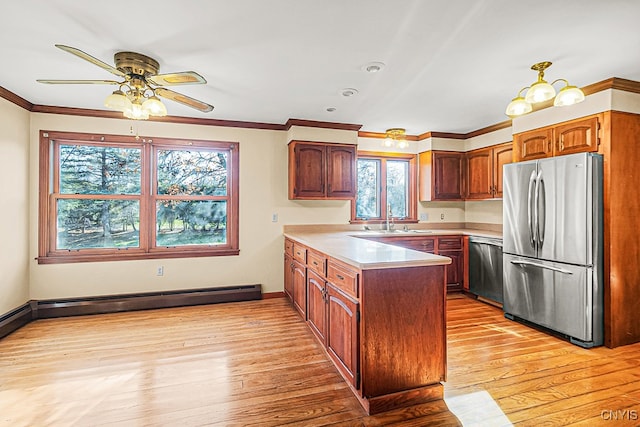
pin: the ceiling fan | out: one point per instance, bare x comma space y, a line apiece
140, 85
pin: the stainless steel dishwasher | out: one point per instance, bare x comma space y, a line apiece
485, 267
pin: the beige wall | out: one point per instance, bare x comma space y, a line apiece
263, 192
14, 216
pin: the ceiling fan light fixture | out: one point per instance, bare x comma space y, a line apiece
154, 107
118, 101
136, 112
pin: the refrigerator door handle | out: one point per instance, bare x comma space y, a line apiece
530, 209
541, 210
548, 267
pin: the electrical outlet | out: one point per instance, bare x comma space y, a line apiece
441, 217
160, 271
424, 216
274, 217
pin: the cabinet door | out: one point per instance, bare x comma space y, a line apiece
300, 288
288, 276
341, 162
342, 333
316, 303
455, 270
309, 171
535, 144
480, 174
502, 155
577, 136
448, 175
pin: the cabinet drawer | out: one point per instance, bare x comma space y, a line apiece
317, 262
342, 277
288, 247
449, 243
300, 253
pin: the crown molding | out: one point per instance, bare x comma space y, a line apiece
325, 125
611, 83
12, 97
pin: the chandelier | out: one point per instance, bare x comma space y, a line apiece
541, 91
397, 137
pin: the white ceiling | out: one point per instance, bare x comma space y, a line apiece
451, 65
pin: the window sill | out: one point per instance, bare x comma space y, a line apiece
75, 258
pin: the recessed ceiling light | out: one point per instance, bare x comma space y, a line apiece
331, 109
347, 92
373, 67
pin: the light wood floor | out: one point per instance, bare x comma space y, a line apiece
256, 363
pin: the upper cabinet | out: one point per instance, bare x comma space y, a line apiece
570, 137
321, 170
441, 175
484, 171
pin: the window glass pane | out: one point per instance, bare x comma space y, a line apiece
192, 172
367, 200
84, 224
182, 223
397, 187
89, 169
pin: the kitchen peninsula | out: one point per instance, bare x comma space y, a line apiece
378, 310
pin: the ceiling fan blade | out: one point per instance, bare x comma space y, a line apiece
183, 99
87, 57
182, 78
79, 82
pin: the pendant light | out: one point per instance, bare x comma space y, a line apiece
541, 91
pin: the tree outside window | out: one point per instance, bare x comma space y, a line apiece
115, 197
386, 182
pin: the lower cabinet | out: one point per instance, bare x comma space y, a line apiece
300, 288
449, 246
342, 333
383, 329
317, 305
288, 276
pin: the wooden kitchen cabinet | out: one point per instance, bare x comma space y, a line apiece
342, 333
484, 171
288, 276
316, 305
441, 175
322, 170
449, 246
362, 319
574, 136
300, 288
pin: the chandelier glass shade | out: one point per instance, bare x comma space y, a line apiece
541, 91
136, 101
396, 137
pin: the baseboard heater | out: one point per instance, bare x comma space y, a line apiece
45, 309
15, 319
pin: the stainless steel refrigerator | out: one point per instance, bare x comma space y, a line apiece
553, 248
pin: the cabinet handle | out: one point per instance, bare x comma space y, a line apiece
339, 277
315, 263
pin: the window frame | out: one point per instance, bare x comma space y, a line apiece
49, 172
412, 200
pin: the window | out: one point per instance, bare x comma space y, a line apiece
105, 198
386, 182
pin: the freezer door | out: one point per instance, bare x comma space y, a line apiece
564, 209
518, 208
553, 295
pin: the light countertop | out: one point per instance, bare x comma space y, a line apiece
349, 246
